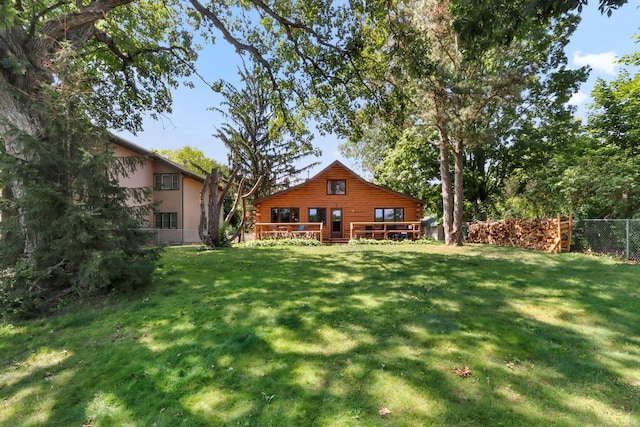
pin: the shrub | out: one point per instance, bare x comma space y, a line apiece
282, 242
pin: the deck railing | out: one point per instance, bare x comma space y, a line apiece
283, 230
385, 230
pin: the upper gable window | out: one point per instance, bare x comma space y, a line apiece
336, 186
166, 181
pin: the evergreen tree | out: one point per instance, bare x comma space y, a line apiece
85, 230
260, 142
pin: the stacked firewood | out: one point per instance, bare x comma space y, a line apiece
550, 235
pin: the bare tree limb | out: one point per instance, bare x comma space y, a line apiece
227, 220
244, 206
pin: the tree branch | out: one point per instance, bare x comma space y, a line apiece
288, 25
77, 26
38, 16
240, 46
244, 47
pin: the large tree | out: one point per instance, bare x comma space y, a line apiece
596, 173
259, 141
131, 54
85, 231
435, 92
263, 146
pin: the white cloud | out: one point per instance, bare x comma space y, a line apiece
603, 62
578, 99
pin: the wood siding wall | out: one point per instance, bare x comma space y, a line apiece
357, 205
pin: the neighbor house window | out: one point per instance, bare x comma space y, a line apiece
285, 214
166, 181
165, 220
389, 214
318, 215
336, 186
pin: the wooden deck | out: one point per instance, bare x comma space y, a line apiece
357, 230
385, 230
282, 230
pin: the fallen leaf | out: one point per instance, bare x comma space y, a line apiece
463, 372
384, 411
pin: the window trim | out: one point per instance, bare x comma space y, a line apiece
332, 187
384, 211
172, 220
323, 220
158, 181
278, 213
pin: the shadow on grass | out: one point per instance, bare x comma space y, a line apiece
329, 336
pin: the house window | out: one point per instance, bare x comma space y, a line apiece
336, 186
389, 214
318, 215
165, 220
285, 214
166, 181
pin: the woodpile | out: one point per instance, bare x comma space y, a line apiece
550, 235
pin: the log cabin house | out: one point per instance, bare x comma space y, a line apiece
337, 205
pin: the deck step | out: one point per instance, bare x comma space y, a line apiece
336, 241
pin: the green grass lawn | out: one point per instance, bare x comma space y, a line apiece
330, 336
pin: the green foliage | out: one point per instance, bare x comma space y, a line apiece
134, 54
8, 14
485, 23
193, 159
146, 52
292, 241
591, 171
501, 107
224, 237
261, 141
21, 295
614, 117
73, 231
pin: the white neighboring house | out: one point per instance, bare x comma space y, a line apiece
176, 189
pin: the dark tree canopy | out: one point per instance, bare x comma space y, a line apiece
483, 23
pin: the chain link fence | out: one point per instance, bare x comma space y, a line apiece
615, 237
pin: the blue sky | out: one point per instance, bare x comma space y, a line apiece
597, 42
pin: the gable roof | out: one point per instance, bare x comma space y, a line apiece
152, 154
355, 175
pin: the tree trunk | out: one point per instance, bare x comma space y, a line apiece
452, 193
447, 195
210, 214
458, 201
244, 198
15, 121
26, 67
215, 209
